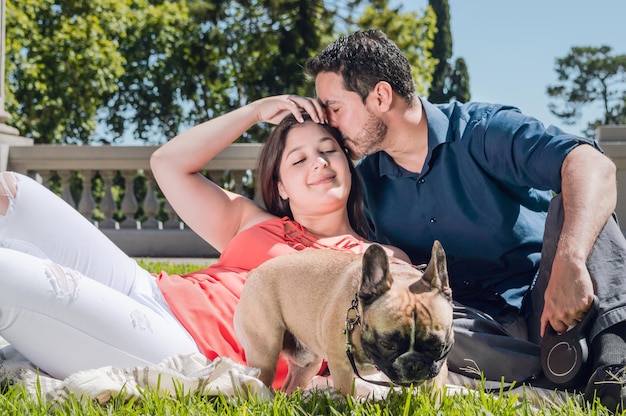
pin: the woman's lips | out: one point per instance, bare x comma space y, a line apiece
323, 179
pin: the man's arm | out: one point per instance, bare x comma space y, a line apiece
589, 194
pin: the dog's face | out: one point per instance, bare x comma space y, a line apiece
407, 316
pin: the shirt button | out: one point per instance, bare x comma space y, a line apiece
433, 220
466, 282
421, 181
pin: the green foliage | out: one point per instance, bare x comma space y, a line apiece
442, 50
15, 401
588, 75
413, 34
62, 59
449, 81
459, 87
171, 267
144, 103
147, 69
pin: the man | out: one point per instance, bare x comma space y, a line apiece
481, 178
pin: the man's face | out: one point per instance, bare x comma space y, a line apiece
363, 132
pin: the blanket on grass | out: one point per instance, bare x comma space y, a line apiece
196, 373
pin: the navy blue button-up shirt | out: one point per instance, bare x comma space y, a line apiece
483, 193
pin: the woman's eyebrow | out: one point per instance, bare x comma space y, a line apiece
295, 149
322, 140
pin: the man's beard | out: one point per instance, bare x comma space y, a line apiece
369, 140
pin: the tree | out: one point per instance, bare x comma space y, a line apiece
449, 82
62, 59
147, 69
211, 57
145, 102
590, 75
413, 35
459, 88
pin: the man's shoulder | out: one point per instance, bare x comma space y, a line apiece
472, 109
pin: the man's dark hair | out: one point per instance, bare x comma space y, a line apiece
363, 59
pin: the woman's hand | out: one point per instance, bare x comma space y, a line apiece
274, 109
212, 212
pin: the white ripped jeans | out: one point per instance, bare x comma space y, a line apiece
70, 299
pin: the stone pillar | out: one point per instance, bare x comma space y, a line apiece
9, 136
4, 116
612, 139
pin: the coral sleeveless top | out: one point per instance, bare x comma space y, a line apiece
204, 301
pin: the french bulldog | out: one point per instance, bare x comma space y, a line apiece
320, 304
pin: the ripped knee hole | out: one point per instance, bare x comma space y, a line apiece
8, 189
64, 282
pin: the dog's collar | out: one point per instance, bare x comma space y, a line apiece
353, 318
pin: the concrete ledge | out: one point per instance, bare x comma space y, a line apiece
611, 133
237, 156
612, 139
161, 243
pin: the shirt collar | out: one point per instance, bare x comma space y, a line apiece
438, 131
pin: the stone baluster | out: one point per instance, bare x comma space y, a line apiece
172, 222
107, 205
66, 193
87, 204
129, 203
236, 180
258, 195
219, 177
45, 176
150, 203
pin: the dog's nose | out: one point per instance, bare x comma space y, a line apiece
416, 370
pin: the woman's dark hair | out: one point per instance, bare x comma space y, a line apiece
269, 175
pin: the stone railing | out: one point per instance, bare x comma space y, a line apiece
234, 168
612, 139
168, 237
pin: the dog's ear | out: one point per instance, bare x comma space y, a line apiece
436, 273
375, 276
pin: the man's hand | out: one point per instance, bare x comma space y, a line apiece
569, 294
589, 191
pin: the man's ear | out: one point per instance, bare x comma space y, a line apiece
383, 93
281, 191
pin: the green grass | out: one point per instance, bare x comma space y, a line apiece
14, 400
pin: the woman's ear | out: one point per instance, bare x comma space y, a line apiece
281, 191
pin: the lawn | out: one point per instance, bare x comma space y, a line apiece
16, 401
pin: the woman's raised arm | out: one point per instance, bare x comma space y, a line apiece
213, 213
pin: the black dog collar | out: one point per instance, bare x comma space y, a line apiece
353, 318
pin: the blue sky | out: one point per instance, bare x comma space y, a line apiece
510, 47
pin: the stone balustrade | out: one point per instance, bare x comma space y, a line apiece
612, 139
233, 168
151, 236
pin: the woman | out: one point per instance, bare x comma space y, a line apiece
71, 300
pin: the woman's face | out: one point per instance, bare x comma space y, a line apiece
314, 172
